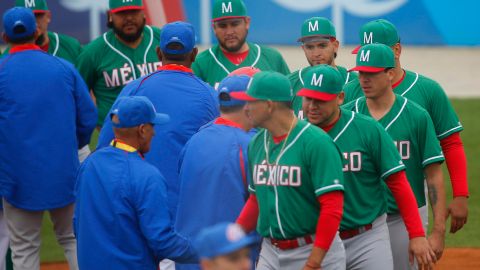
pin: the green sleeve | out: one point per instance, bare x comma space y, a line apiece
86, 67
282, 66
428, 142
325, 164
197, 69
384, 152
441, 111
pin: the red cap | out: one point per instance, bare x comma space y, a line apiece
242, 96
304, 92
355, 51
115, 10
367, 69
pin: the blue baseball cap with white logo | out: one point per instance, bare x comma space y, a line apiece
177, 32
19, 22
136, 110
232, 84
222, 239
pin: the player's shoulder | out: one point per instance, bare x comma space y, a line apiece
66, 38
206, 55
424, 81
353, 84
156, 31
414, 107
98, 44
294, 76
268, 51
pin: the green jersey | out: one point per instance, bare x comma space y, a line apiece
288, 177
371, 158
425, 92
107, 65
62, 46
296, 80
212, 65
411, 129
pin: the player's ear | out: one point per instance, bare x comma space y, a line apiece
48, 14
247, 22
193, 54
340, 98
397, 50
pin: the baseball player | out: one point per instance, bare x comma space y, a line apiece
44, 131
230, 25
412, 130
319, 43
371, 161
296, 182
428, 94
119, 56
221, 177
56, 44
190, 102
224, 247
126, 198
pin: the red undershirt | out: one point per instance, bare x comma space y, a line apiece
226, 122
175, 67
236, 58
24, 47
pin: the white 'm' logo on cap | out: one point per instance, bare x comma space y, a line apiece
367, 39
29, 3
312, 27
227, 8
317, 81
365, 56
127, 1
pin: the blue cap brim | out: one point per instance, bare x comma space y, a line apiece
161, 118
246, 241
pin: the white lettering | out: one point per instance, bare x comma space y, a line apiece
317, 81
29, 3
111, 81
367, 39
127, 1
227, 8
125, 72
365, 56
143, 69
404, 149
278, 175
354, 162
295, 179
312, 27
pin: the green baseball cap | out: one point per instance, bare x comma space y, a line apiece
317, 27
322, 82
228, 9
121, 5
37, 6
378, 31
266, 85
374, 58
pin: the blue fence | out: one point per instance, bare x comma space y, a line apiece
420, 22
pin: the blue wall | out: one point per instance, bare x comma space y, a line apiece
420, 22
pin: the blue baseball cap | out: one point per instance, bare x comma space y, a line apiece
19, 22
222, 239
136, 110
177, 32
232, 84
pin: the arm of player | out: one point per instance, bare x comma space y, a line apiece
453, 150
249, 216
331, 205
407, 204
436, 194
86, 113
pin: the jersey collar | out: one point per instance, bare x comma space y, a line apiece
226, 122
24, 47
125, 147
176, 67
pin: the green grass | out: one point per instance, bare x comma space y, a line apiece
469, 236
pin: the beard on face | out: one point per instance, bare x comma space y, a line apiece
129, 37
235, 48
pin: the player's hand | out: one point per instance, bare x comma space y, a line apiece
458, 212
312, 266
419, 249
437, 242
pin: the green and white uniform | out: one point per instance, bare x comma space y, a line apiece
411, 128
62, 46
297, 81
287, 178
212, 65
107, 65
425, 92
371, 158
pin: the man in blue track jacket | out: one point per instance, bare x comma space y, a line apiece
121, 216
46, 115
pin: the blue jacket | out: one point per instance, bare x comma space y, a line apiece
121, 219
46, 115
213, 180
190, 102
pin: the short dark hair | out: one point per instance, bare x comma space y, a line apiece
22, 40
231, 109
286, 104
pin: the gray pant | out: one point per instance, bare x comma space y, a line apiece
3, 241
399, 239
370, 250
24, 228
273, 258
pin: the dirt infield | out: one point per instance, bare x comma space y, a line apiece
453, 258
